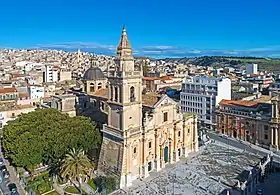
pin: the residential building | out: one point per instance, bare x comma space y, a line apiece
50, 74
65, 103
245, 120
252, 69
142, 133
154, 84
201, 94
7, 94
36, 92
9, 111
65, 75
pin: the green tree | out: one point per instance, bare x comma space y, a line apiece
45, 136
76, 166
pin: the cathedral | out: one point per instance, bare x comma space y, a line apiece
141, 132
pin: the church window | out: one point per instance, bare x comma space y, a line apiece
188, 130
134, 150
116, 94
150, 144
112, 93
165, 116
99, 86
132, 94
179, 133
91, 87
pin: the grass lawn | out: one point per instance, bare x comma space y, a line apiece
72, 189
92, 184
53, 193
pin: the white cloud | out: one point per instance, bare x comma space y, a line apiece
164, 50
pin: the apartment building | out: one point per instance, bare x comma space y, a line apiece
201, 95
246, 120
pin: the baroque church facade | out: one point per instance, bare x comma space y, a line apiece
141, 132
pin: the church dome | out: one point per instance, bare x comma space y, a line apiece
94, 73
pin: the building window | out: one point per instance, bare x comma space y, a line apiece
91, 87
265, 136
266, 127
116, 94
13, 114
134, 150
99, 86
165, 116
188, 130
150, 144
179, 133
132, 94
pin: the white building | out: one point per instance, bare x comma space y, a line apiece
50, 74
252, 69
36, 92
201, 94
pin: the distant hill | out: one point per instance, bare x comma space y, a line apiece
265, 64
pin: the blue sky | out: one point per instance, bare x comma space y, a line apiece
155, 27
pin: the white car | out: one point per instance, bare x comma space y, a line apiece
224, 136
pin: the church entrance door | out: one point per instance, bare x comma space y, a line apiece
166, 154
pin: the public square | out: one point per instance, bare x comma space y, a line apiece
210, 171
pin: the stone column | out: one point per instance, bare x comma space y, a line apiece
272, 136
276, 138
162, 157
171, 151
157, 152
145, 172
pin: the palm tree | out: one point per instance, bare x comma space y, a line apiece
76, 166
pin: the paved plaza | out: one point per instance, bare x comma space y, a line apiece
210, 171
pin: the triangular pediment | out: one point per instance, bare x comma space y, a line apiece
164, 100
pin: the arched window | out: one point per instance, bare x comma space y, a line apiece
91, 87
132, 94
99, 86
116, 94
102, 106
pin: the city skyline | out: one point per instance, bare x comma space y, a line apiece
175, 29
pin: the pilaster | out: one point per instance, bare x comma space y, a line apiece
145, 172
157, 152
171, 152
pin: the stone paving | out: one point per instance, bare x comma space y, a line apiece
210, 171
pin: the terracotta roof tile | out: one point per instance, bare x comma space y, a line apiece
239, 103
151, 78
150, 99
8, 90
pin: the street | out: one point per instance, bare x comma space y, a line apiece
253, 148
12, 179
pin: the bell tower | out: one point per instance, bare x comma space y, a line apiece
125, 90
124, 115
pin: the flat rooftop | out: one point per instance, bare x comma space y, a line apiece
213, 169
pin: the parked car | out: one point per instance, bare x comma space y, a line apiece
12, 187
224, 136
3, 168
1, 161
